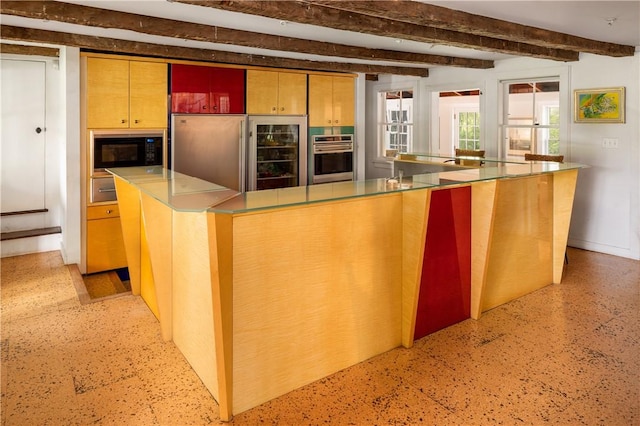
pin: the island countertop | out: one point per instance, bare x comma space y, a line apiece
185, 193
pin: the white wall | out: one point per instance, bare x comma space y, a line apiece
71, 194
360, 130
606, 211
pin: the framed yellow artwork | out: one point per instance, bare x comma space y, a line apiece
599, 105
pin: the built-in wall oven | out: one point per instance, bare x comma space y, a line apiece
332, 158
121, 148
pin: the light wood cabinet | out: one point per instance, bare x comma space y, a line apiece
107, 93
126, 94
343, 101
292, 93
105, 245
148, 94
331, 101
276, 93
118, 93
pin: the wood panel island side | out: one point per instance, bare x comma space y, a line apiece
264, 292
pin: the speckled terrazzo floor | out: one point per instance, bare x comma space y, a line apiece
568, 354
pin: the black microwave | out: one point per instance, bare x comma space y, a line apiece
126, 148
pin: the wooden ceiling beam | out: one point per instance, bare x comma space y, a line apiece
174, 52
25, 49
331, 17
95, 17
441, 17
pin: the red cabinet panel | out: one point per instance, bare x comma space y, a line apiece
226, 91
189, 89
445, 287
197, 89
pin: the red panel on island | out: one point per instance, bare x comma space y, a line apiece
445, 287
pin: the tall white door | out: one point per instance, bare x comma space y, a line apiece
22, 147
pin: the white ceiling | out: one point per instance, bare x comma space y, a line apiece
610, 21
588, 19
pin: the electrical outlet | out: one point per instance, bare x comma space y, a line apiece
610, 142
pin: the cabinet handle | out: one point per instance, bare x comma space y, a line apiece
204, 107
109, 211
282, 109
274, 109
123, 121
136, 121
336, 121
329, 121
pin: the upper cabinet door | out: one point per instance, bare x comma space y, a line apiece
331, 101
189, 89
126, 94
262, 92
320, 100
276, 93
292, 93
226, 90
343, 101
148, 94
197, 89
107, 93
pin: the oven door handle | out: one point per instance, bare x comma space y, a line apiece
332, 148
106, 190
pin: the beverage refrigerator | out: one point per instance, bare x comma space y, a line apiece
276, 152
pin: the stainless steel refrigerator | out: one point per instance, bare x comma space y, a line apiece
210, 147
277, 152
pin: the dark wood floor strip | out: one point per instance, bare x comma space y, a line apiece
23, 212
30, 233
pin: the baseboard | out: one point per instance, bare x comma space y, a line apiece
603, 248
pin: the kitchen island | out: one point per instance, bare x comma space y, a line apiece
264, 292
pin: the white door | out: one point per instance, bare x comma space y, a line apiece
22, 146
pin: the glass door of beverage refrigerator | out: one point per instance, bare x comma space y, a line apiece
278, 153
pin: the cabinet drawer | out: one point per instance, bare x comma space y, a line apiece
103, 189
103, 212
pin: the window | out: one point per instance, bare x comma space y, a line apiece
468, 130
532, 117
552, 134
458, 124
395, 121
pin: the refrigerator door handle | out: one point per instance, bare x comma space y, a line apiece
252, 158
242, 146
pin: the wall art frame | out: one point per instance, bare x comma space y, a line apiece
605, 105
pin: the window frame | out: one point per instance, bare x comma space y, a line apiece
384, 121
456, 124
536, 129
